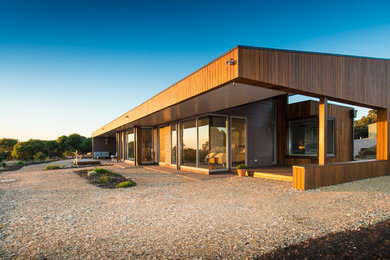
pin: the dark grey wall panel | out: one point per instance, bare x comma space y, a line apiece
260, 130
100, 144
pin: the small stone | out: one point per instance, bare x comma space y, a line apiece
92, 173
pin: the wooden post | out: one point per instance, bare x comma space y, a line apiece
381, 139
323, 131
138, 147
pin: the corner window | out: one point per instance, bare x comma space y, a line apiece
303, 137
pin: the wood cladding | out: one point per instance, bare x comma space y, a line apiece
307, 109
345, 78
382, 139
164, 145
315, 176
210, 76
322, 131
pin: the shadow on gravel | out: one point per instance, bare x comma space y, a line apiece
367, 243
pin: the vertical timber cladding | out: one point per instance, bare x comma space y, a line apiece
306, 109
350, 79
164, 145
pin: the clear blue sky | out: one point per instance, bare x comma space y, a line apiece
72, 66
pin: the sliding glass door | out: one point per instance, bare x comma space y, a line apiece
238, 141
147, 145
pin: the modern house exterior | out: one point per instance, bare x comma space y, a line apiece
235, 110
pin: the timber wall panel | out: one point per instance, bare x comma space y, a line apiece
314, 176
307, 109
354, 79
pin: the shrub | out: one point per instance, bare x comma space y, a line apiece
19, 163
39, 157
3, 156
125, 184
3, 164
51, 167
103, 179
27, 150
242, 166
102, 171
68, 153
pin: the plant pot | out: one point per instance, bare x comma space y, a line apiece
241, 172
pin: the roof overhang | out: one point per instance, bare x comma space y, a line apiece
227, 96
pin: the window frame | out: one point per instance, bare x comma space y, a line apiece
308, 119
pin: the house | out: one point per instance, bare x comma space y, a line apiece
235, 110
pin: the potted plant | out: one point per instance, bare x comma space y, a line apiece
241, 170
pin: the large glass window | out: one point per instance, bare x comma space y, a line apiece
303, 137
218, 133
173, 143
146, 145
238, 141
210, 137
204, 144
189, 143
130, 145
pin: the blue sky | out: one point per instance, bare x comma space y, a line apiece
72, 66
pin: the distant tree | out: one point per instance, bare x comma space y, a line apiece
62, 144
361, 125
6, 146
53, 150
73, 142
86, 145
3, 156
26, 150
39, 157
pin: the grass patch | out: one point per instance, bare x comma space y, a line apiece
125, 184
51, 167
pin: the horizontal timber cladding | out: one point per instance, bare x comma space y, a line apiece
209, 77
307, 109
315, 176
345, 78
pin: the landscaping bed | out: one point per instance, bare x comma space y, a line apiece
105, 179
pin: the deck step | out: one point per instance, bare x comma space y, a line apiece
271, 176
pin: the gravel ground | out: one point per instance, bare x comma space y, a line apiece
57, 214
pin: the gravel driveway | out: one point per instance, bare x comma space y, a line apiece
56, 214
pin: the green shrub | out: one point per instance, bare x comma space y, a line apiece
51, 167
103, 179
102, 171
242, 166
3, 164
125, 184
19, 163
68, 153
39, 157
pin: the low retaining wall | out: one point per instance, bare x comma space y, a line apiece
314, 176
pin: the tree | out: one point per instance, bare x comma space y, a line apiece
62, 145
3, 156
39, 157
73, 142
361, 125
52, 149
26, 150
6, 146
86, 145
